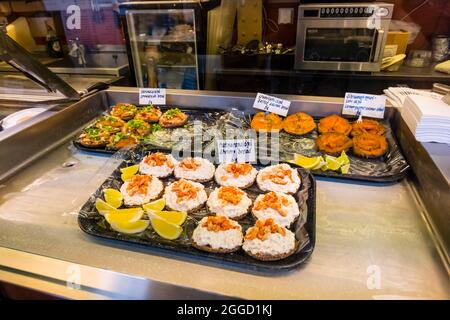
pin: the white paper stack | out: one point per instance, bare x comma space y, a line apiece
427, 118
397, 95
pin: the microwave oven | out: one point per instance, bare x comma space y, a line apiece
342, 36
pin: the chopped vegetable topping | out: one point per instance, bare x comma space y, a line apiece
218, 223
138, 184
272, 201
262, 230
230, 194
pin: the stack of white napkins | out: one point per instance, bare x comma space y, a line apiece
397, 95
427, 118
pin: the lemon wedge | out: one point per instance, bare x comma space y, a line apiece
129, 172
166, 229
113, 197
332, 163
130, 227
175, 217
307, 162
345, 168
132, 170
103, 207
124, 215
343, 159
157, 205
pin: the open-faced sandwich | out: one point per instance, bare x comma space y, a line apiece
333, 143
148, 114
124, 111
367, 126
368, 145
278, 178
173, 118
282, 208
217, 234
94, 137
137, 128
141, 189
121, 140
266, 122
195, 169
241, 175
334, 123
158, 164
299, 123
229, 201
267, 241
110, 122
184, 195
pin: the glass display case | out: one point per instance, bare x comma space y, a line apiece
163, 44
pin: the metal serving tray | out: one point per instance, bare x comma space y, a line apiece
91, 222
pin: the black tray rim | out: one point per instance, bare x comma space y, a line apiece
257, 266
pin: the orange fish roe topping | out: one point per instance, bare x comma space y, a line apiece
218, 223
189, 164
230, 194
239, 169
158, 159
138, 184
277, 175
262, 230
184, 190
272, 201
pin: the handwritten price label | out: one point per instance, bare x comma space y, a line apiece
236, 150
271, 104
152, 96
365, 104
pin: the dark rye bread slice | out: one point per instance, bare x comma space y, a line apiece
268, 257
207, 248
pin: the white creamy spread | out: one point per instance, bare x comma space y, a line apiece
229, 210
269, 185
225, 178
154, 189
275, 244
205, 171
292, 211
157, 171
228, 239
171, 198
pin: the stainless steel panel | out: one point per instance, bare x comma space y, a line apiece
363, 230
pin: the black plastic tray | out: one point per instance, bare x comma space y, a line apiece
206, 115
94, 224
392, 167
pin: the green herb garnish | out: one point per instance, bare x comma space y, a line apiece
156, 127
170, 114
137, 124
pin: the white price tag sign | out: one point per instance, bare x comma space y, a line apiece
368, 105
236, 150
272, 104
152, 96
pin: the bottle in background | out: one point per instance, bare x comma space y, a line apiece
54, 48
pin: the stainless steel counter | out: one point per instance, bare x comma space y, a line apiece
372, 242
